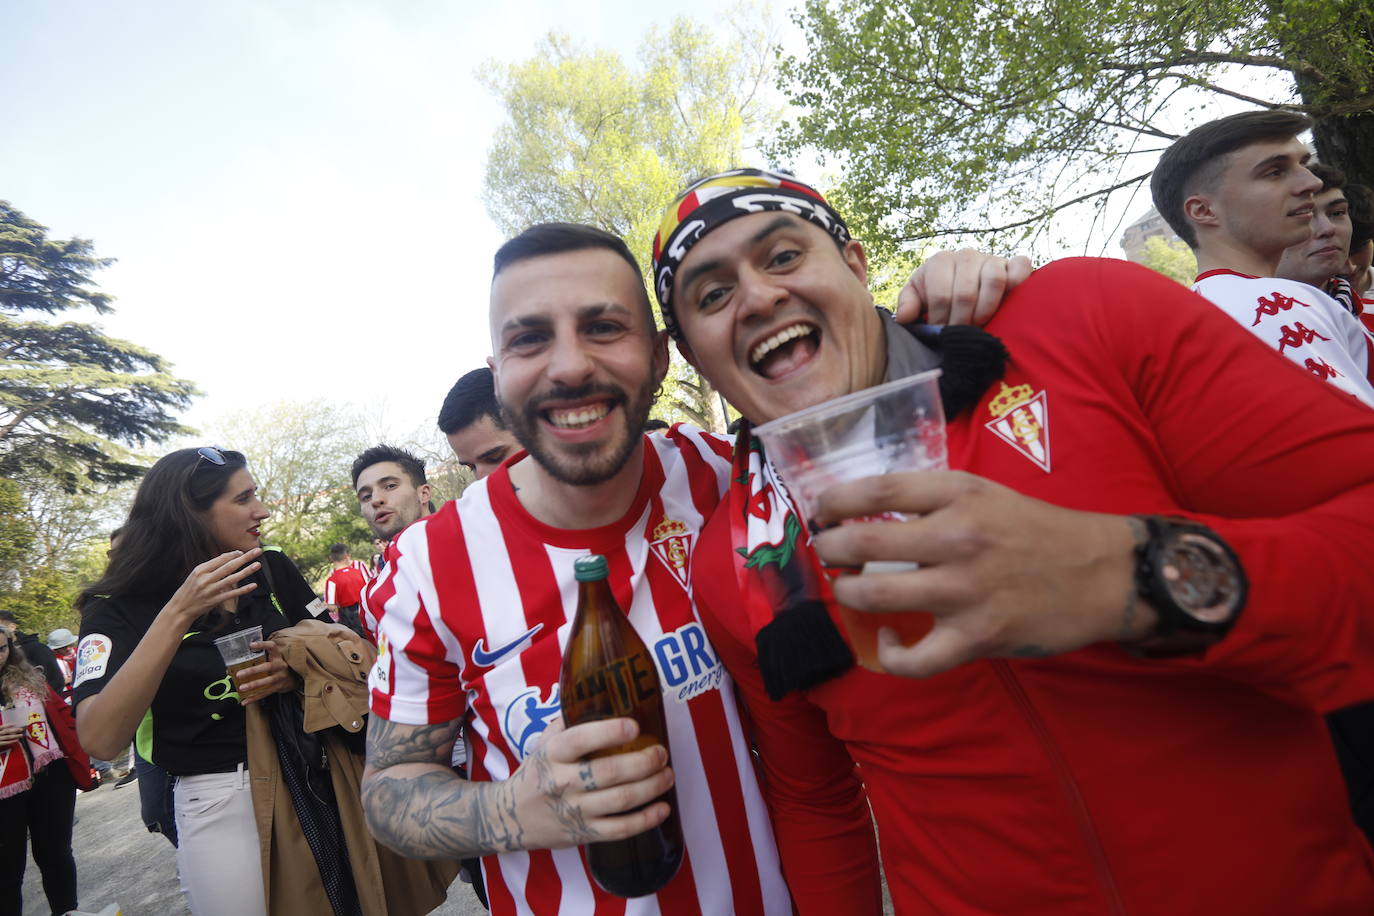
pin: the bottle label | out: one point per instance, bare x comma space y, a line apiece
619, 687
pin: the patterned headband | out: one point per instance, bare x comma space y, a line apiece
715, 200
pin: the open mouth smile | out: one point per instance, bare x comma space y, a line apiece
785, 350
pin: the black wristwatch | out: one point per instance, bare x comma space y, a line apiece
1193, 580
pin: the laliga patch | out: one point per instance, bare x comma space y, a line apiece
1021, 418
381, 675
92, 655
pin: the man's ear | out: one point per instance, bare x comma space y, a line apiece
423, 490
857, 259
1198, 210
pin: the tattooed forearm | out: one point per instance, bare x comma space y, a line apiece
390, 743
418, 806
433, 814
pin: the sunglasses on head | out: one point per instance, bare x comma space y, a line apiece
211, 454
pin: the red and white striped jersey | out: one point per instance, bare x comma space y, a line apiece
364, 569
474, 609
1300, 321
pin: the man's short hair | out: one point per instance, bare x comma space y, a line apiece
414, 468
338, 551
9, 615
1361, 214
559, 238
1196, 160
470, 399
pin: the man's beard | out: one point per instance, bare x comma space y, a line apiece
588, 464
398, 523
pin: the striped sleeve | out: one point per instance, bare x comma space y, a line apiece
415, 680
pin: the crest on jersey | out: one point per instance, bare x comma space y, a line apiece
671, 542
526, 718
1021, 418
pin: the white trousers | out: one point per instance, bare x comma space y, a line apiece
217, 845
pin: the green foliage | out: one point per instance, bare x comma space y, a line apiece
591, 139
1171, 257
72, 400
959, 117
44, 602
16, 535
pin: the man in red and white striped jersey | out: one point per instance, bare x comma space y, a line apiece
476, 600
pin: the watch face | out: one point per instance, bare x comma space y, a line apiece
1201, 578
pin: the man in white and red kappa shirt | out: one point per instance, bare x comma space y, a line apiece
475, 603
1238, 191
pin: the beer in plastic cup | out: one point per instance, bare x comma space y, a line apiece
896, 426
238, 657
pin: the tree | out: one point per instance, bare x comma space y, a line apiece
299, 453
591, 140
16, 536
72, 399
1171, 257
965, 117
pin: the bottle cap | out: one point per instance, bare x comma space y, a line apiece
591, 568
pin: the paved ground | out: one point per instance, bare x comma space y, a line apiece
117, 860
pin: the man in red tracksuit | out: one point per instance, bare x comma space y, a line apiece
1117, 710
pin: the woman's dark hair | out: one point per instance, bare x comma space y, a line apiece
164, 537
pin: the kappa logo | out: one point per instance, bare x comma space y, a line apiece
1021, 418
671, 542
526, 718
92, 655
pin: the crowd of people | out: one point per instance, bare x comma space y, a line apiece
1150, 618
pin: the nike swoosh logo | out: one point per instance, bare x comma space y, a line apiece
485, 659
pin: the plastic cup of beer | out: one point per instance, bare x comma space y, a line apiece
237, 655
897, 426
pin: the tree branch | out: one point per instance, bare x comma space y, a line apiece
1028, 221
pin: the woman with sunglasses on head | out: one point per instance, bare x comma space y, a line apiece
188, 568
39, 765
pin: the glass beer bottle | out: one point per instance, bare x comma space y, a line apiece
607, 673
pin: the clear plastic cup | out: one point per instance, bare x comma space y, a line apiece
896, 426
238, 656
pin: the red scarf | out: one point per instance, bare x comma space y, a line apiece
34, 750
785, 592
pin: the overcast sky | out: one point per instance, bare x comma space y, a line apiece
292, 187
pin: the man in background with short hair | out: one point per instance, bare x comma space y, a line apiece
344, 588
392, 491
1238, 191
471, 421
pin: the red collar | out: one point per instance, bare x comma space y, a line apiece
1223, 270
